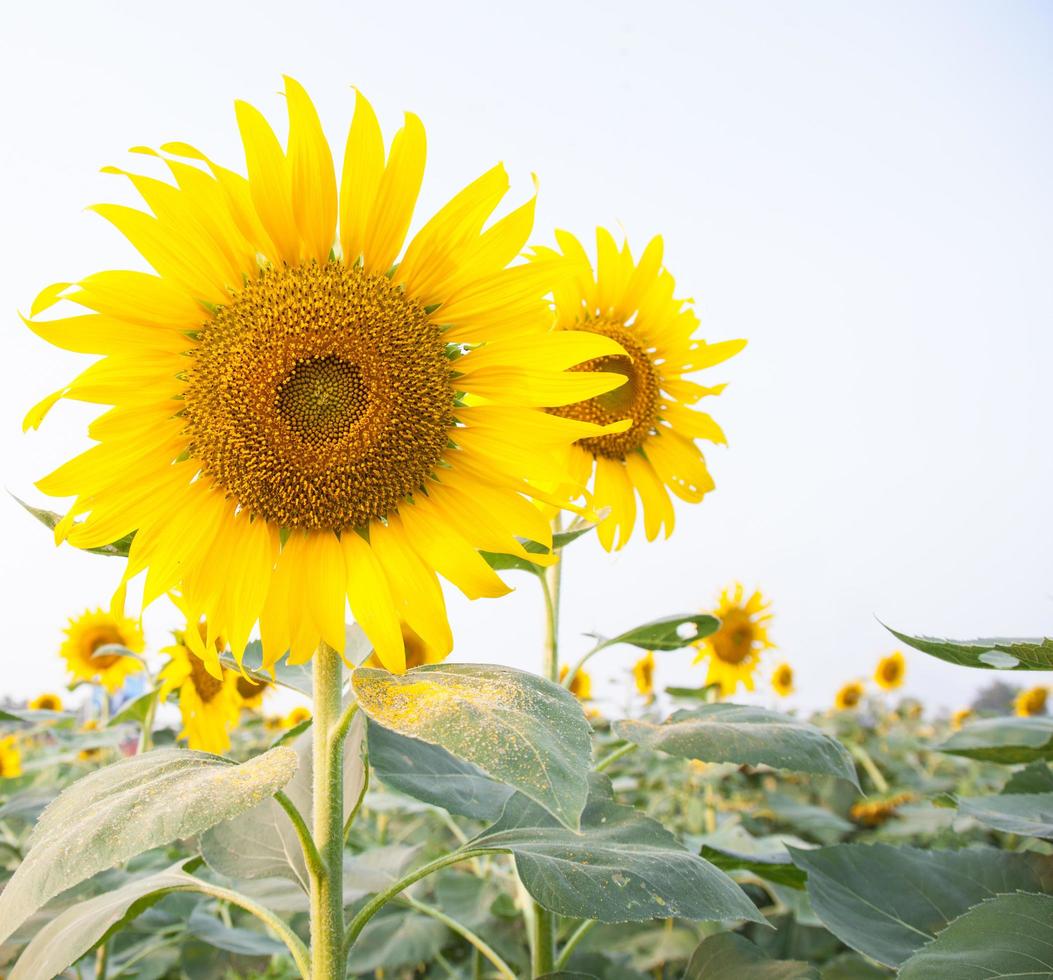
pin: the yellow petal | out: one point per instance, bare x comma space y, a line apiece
392, 210
371, 601
363, 167
313, 177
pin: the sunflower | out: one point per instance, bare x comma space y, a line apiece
1030, 702
305, 415
873, 813
734, 650
848, 696
92, 630
643, 674
633, 303
273, 723
297, 716
250, 692
890, 671
94, 753
581, 684
782, 680
10, 758
45, 702
418, 653
210, 706
960, 717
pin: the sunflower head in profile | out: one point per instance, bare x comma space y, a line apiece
891, 671
10, 757
297, 716
960, 717
782, 680
45, 702
1031, 702
734, 650
418, 653
848, 696
580, 685
251, 692
643, 675
87, 636
340, 417
632, 303
210, 706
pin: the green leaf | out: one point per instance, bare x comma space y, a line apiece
518, 728
501, 562
996, 654
668, 633
1034, 778
621, 867
119, 548
776, 868
729, 956
431, 774
76, 930
886, 902
135, 711
1007, 739
399, 939
232, 939
1004, 936
119, 811
723, 732
1027, 814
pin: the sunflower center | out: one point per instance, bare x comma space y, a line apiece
637, 399
733, 642
205, 684
97, 641
249, 689
890, 672
320, 397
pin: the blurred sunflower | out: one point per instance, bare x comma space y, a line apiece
960, 717
94, 753
418, 653
45, 702
297, 716
580, 685
643, 674
1031, 702
93, 630
209, 706
10, 758
891, 671
273, 723
849, 696
782, 680
734, 650
337, 418
632, 303
251, 692
874, 813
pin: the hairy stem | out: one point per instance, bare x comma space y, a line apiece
481, 947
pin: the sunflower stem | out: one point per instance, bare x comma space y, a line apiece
327, 907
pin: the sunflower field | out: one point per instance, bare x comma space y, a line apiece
310, 423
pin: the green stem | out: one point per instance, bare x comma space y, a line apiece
572, 941
102, 958
879, 781
146, 733
462, 930
543, 947
375, 904
350, 821
573, 672
303, 832
327, 891
612, 757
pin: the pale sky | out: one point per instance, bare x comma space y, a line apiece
862, 190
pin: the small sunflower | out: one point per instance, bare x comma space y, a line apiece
891, 671
418, 653
632, 303
46, 702
960, 717
339, 419
1031, 702
873, 813
10, 758
210, 706
95, 753
251, 692
297, 716
849, 696
643, 674
93, 630
580, 686
782, 680
735, 649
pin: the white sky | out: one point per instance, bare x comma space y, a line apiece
863, 190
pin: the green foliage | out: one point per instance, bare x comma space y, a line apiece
727, 956
1027, 814
667, 633
1007, 740
992, 654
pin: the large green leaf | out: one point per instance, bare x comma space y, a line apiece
516, 727
233, 939
746, 735
729, 956
1007, 739
886, 902
621, 867
263, 843
114, 813
431, 774
74, 931
395, 940
991, 654
667, 633
1036, 777
1027, 814
1005, 936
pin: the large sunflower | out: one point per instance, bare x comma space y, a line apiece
633, 303
210, 707
91, 631
301, 418
734, 651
